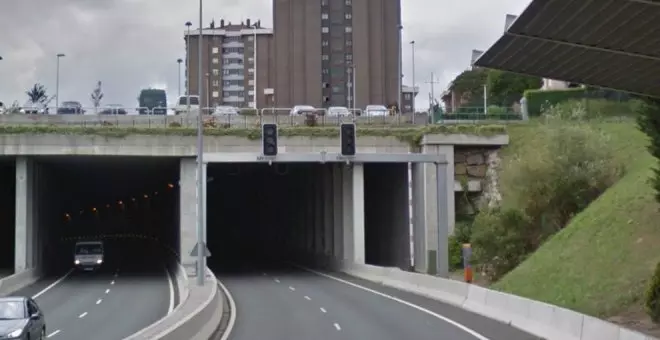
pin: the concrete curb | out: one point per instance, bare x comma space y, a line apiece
20, 280
196, 316
538, 318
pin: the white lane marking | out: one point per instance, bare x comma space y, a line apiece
232, 315
82, 315
277, 280
396, 299
337, 326
308, 298
292, 289
53, 334
52, 284
107, 291
323, 310
112, 282
98, 302
170, 308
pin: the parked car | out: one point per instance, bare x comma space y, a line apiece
113, 109
376, 110
70, 108
31, 108
225, 111
182, 105
21, 319
2, 108
302, 109
338, 111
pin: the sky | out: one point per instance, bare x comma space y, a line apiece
132, 44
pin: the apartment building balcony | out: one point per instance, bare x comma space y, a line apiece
233, 66
233, 44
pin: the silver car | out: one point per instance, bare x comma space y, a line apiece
21, 319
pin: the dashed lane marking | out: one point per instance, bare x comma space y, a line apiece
292, 289
308, 298
52, 284
98, 302
107, 291
323, 310
112, 282
277, 280
337, 327
82, 315
53, 334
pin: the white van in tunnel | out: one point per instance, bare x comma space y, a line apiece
88, 255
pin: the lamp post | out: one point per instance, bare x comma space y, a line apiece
179, 61
414, 85
57, 83
400, 71
201, 199
188, 77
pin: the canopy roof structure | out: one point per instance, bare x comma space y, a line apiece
608, 43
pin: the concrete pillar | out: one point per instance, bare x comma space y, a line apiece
309, 222
24, 234
319, 205
337, 213
400, 222
188, 212
328, 207
357, 214
420, 243
347, 213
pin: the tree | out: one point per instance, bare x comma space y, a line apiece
649, 123
97, 96
506, 88
37, 94
469, 85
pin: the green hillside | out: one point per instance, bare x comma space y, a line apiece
600, 263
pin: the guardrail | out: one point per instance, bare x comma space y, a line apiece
220, 121
538, 318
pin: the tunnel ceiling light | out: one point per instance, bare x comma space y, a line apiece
146, 196
94, 209
107, 205
155, 193
170, 185
120, 202
82, 212
133, 199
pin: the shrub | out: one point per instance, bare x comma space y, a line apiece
462, 233
249, 112
586, 109
174, 125
500, 242
538, 99
652, 303
649, 123
311, 119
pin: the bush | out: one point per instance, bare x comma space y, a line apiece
249, 112
311, 119
586, 109
174, 125
462, 233
652, 303
500, 241
537, 99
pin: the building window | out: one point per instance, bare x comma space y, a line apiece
215, 72
216, 83
325, 57
349, 42
349, 2
325, 71
348, 16
325, 29
348, 29
215, 50
407, 96
250, 38
324, 16
349, 57
215, 94
325, 43
215, 60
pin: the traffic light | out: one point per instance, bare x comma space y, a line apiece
347, 137
269, 139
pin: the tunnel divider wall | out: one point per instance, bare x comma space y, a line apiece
20, 280
196, 317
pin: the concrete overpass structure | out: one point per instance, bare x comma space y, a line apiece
307, 205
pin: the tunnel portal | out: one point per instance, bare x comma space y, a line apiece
264, 215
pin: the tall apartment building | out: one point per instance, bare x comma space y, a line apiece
229, 64
319, 43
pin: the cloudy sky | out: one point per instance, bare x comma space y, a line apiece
132, 44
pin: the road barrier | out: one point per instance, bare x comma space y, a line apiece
538, 318
20, 280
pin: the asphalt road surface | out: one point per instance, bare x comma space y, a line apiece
285, 304
108, 305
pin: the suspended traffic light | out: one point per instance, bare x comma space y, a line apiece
269, 139
347, 138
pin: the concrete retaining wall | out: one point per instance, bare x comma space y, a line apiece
17, 281
538, 318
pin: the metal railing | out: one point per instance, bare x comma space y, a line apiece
161, 117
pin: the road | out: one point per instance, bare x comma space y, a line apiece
109, 305
284, 304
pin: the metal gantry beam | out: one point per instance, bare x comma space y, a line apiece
323, 157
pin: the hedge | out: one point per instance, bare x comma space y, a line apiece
412, 135
538, 99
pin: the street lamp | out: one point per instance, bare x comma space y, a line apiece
188, 77
201, 246
412, 43
57, 83
179, 61
400, 27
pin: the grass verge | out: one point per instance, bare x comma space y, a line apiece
601, 262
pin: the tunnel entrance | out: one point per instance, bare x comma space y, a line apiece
263, 215
7, 214
130, 203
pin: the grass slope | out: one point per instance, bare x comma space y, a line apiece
600, 263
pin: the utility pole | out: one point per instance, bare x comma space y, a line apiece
432, 82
